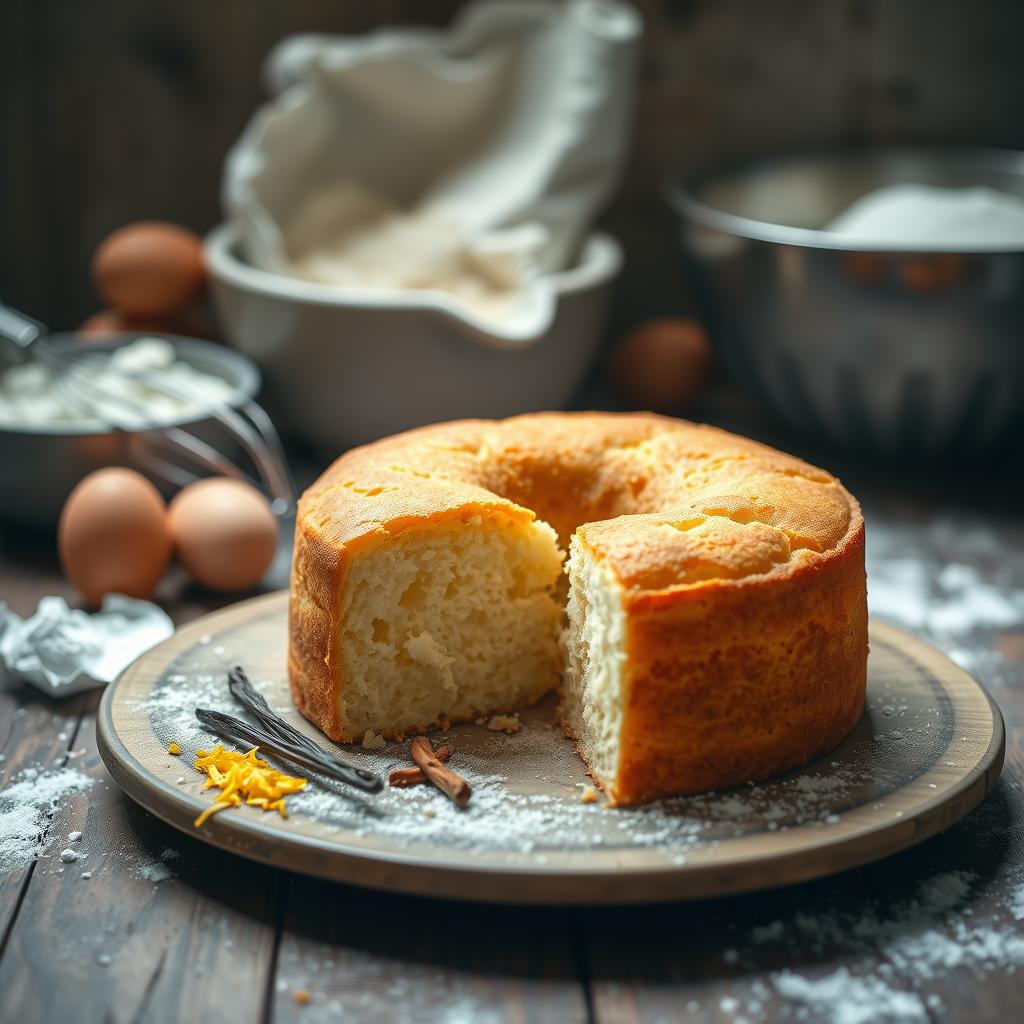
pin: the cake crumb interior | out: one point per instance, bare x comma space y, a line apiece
449, 622
595, 655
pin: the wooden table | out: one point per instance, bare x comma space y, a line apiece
936, 933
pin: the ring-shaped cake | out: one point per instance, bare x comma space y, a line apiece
715, 626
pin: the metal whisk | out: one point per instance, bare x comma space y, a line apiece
174, 451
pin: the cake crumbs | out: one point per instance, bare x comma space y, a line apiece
302, 996
373, 741
588, 794
504, 723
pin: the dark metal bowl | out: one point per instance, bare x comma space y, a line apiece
880, 350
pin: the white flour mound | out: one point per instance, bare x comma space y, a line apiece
350, 237
26, 807
922, 215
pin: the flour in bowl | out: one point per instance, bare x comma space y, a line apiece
349, 237
923, 216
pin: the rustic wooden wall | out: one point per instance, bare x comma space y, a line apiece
114, 109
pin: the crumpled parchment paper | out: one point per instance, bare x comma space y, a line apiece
63, 651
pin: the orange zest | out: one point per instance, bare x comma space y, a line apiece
244, 776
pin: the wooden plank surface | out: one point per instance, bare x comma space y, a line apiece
383, 959
34, 734
161, 924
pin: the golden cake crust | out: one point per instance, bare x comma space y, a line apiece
743, 571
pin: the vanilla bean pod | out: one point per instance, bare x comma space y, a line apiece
255, 703
319, 761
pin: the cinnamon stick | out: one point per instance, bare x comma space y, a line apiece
402, 777
453, 786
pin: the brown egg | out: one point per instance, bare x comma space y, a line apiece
150, 269
113, 535
865, 268
936, 273
224, 533
663, 365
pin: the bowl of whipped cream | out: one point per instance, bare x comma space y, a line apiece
872, 298
48, 442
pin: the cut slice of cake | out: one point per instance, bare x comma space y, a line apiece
595, 663
677, 687
445, 623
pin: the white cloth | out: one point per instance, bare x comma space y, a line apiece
513, 123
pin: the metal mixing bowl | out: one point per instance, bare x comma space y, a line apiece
41, 463
886, 351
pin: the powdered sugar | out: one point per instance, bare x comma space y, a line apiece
26, 806
957, 578
1017, 902
844, 999
526, 786
157, 871
892, 950
907, 584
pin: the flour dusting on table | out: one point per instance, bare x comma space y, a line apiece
918, 938
909, 583
26, 806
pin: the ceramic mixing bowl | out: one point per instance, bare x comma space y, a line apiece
342, 370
